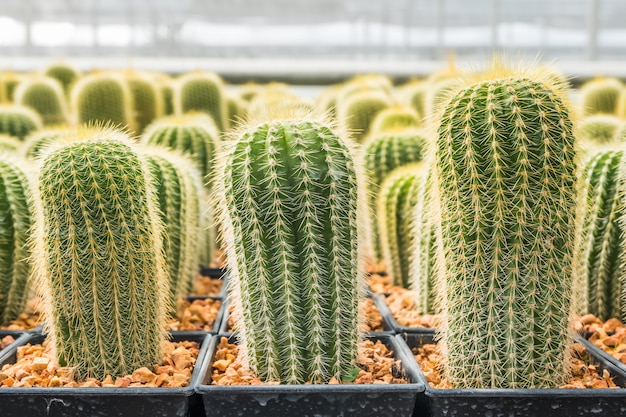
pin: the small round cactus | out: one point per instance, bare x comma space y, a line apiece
64, 74
202, 92
99, 255
600, 96
146, 98
18, 121
395, 118
358, 110
45, 95
8, 82
598, 129
288, 195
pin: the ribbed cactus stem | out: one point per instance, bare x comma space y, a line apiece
16, 207
507, 184
599, 253
291, 232
99, 256
396, 206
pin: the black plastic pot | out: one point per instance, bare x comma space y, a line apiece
314, 400
20, 338
392, 324
105, 402
212, 272
528, 402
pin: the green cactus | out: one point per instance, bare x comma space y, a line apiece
36, 142
382, 153
394, 118
10, 144
146, 98
178, 186
423, 252
16, 208
103, 98
438, 95
620, 108
600, 95
45, 95
64, 74
397, 199
236, 110
413, 94
358, 111
8, 82
18, 121
599, 250
99, 256
506, 177
288, 195
202, 92
598, 129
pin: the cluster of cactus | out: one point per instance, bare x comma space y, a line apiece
600, 95
45, 95
506, 178
18, 121
202, 92
147, 101
16, 212
103, 98
396, 200
383, 153
599, 252
100, 264
289, 196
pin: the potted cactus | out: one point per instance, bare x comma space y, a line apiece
292, 221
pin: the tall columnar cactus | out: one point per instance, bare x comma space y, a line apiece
99, 256
358, 111
64, 74
599, 252
178, 186
599, 129
147, 101
383, 153
16, 208
423, 251
394, 118
396, 208
103, 98
202, 92
45, 95
18, 121
600, 96
291, 229
506, 176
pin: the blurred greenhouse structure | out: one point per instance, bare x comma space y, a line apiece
405, 36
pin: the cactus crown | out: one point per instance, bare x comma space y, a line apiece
394, 118
98, 255
18, 121
46, 96
358, 110
598, 129
506, 176
288, 192
201, 92
600, 95
64, 74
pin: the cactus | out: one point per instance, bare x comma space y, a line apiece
146, 98
36, 142
178, 186
506, 178
16, 208
394, 118
8, 82
64, 74
202, 92
599, 129
288, 195
10, 144
327, 100
99, 256
438, 95
103, 98
18, 121
620, 107
600, 96
358, 110
273, 101
422, 261
382, 154
413, 94
599, 250
396, 206
236, 110
44, 95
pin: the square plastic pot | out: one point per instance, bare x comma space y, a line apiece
528, 402
375, 400
20, 338
104, 402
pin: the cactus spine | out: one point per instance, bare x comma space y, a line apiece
507, 184
44, 95
18, 121
396, 206
599, 253
202, 92
384, 152
177, 183
99, 256
291, 230
16, 207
